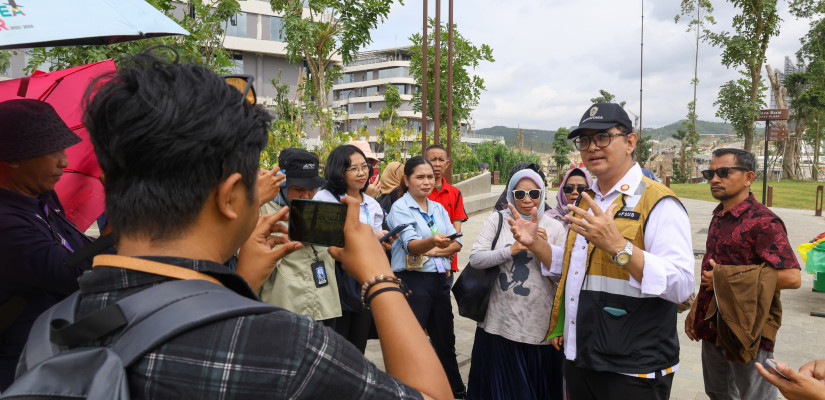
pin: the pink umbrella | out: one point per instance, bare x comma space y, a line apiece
80, 189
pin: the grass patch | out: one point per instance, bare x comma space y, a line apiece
786, 193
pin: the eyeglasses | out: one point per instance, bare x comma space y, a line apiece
602, 140
721, 172
519, 194
244, 85
356, 169
571, 188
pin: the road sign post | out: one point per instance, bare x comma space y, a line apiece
775, 133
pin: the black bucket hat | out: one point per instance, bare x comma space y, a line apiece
602, 116
301, 168
31, 128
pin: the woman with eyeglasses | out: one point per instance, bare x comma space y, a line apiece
511, 360
575, 182
347, 173
421, 258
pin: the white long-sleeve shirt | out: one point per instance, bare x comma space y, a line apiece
668, 255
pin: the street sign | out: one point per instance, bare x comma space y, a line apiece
773, 114
777, 133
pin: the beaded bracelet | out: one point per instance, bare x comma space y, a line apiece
381, 279
382, 290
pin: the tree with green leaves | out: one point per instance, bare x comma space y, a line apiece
688, 139
561, 148
754, 26
393, 128
606, 97
318, 32
734, 106
806, 90
5, 61
700, 12
466, 87
205, 21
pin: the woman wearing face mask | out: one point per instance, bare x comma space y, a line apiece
575, 182
510, 358
347, 173
421, 258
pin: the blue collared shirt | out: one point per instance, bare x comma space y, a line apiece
407, 211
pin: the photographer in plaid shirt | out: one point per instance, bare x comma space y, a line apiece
180, 150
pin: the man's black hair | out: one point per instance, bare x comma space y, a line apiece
434, 146
336, 168
744, 159
165, 135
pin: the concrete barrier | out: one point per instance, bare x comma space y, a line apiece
474, 186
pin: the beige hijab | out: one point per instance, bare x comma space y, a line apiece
391, 178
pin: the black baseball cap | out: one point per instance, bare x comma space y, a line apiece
602, 116
301, 168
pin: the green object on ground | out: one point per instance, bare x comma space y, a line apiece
816, 260
819, 281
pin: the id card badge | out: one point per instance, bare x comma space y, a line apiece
319, 274
416, 261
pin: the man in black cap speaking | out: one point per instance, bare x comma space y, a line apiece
627, 263
304, 281
36, 236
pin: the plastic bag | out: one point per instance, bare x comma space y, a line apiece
815, 261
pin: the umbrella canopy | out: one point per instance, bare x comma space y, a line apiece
80, 189
42, 23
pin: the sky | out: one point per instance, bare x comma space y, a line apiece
553, 56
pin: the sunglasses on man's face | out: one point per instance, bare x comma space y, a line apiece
570, 188
519, 194
721, 172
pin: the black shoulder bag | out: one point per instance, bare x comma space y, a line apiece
472, 288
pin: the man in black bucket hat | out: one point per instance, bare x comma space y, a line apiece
303, 281
36, 236
627, 263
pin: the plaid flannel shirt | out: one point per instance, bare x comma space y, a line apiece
267, 356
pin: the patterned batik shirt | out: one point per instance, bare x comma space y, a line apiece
279, 355
748, 233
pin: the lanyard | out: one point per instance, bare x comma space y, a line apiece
56, 236
367, 211
430, 222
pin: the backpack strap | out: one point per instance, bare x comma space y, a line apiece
152, 316
498, 230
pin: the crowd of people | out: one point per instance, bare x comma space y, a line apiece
584, 304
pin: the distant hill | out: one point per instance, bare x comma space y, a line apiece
538, 137
704, 128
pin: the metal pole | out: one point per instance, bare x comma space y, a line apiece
424, 43
437, 75
449, 173
641, 68
765, 162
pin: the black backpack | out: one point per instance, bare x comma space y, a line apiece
58, 369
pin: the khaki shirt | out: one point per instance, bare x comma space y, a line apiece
292, 286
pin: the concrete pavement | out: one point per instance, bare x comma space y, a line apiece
799, 339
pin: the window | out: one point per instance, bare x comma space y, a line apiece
236, 25
402, 89
415, 125
275, 26
237, 63
346, 78
396, 72
369, 106
371, 91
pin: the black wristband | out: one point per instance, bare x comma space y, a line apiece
382, 290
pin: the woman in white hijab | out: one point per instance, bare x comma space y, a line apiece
511, 360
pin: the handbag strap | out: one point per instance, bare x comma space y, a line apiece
498, 231
152, 267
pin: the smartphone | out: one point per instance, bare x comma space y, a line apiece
393, 232
771, 364
455, 236
374, 175
317, 222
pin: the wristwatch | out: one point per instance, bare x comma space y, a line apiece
623, 257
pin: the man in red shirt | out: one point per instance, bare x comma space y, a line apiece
742, 232
445, 194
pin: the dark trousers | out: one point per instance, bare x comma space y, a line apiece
588, 384
353, 326
431, 303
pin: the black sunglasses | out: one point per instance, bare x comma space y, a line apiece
722, 172
519, 194
570, 188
